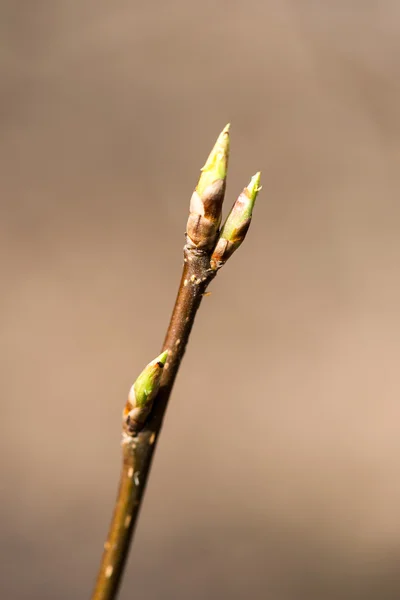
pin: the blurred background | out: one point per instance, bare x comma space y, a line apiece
283, 484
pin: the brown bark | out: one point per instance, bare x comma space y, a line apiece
138, 450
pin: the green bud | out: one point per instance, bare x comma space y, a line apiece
147, 384
142, 394
237, 224
206, 202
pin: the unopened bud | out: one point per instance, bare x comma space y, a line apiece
142, 394
237, 223
206, 202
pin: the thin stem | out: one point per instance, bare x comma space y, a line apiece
138, 451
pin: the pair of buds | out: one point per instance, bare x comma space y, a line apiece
203, 227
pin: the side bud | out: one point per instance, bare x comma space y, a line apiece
142, 394
206, 202
237, 224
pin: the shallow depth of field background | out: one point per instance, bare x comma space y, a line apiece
277, 476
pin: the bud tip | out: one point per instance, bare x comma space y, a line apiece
254, 185
162, 359
217, 163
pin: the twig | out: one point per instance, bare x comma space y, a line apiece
205, 252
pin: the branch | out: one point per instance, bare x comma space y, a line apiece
206, 250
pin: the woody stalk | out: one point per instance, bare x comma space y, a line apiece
206, 250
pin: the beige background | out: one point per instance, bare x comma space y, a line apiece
283, 484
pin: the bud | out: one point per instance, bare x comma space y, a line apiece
236, 225
142, 394
206, 202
